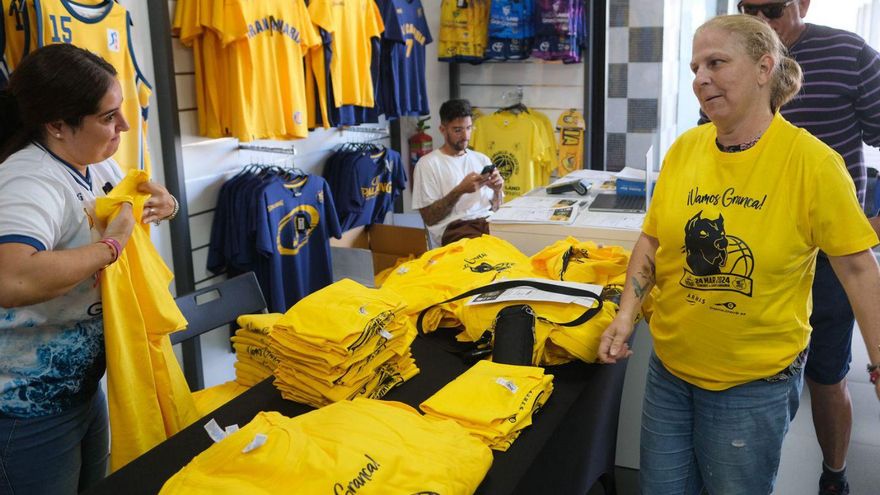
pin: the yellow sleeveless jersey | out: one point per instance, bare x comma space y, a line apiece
15, 30
351, 23
341, 448
516, 145
104, 29
265, 43
464, 30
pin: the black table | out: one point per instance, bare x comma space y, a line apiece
569, 446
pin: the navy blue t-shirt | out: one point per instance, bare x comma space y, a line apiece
404, 91
295, 220
365, 185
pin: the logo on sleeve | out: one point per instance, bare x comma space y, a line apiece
715, 260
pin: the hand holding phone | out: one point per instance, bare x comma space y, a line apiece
487, 169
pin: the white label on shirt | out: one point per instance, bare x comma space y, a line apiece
386, 334
214, 431
509, 385
231, 429
257, 442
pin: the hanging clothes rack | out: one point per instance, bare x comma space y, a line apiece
268, 149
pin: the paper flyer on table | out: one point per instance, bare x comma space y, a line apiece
536, 209
532, 294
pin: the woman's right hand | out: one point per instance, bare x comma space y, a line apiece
121, 226
613, 343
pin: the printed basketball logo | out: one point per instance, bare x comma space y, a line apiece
506, 164
715, 260
295, 229
113, 40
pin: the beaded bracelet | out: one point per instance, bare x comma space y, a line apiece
114, 245
174, 211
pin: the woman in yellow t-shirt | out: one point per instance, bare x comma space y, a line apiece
742, 206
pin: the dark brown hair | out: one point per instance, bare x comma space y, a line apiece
55, 82
455, 109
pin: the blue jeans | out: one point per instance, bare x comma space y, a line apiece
58, 454
728, 442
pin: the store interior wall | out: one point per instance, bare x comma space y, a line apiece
635, 54
647, 103
635, 42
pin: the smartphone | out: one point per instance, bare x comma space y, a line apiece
487, 169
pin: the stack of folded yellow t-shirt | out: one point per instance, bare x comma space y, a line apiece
362, 446
493, 401
254, 360
341, 342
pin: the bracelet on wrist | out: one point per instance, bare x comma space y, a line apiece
174, 211
115, 247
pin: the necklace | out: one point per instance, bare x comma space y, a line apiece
734, 148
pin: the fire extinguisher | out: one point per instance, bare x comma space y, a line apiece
420, 144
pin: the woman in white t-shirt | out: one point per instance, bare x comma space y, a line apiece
60, 122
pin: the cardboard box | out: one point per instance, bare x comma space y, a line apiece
386, 243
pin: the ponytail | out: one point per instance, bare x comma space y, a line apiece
12, 136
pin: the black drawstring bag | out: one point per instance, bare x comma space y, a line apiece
514, 335
514, 325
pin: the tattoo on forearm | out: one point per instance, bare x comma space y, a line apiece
652, 276
638, 288
439, 209
648, 278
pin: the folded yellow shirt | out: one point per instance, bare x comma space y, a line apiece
362, 446
492, 400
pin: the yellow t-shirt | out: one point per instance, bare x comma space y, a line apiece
516, 145
447, 271
149, 401
106, 31
548, 135
361, 446
738, 234
493, 401
351, 23
265, 43
192, 18
582, 261
464, 30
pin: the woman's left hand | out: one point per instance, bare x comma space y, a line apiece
160, 204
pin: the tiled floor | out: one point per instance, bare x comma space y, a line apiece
801, 457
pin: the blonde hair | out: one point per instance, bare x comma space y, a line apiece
758, 39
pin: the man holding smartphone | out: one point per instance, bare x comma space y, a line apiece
454, 188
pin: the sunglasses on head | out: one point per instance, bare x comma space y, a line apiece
770, 10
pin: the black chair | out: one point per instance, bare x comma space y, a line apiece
211, 308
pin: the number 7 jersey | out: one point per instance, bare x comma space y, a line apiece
103, 29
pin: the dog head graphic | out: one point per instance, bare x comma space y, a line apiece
705, 243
